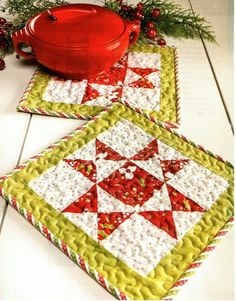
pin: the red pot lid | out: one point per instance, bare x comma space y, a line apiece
76, 25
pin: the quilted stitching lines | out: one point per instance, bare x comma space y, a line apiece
121, 81
127, 188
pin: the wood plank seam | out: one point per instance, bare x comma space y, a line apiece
3, 215
215, 77
17, 163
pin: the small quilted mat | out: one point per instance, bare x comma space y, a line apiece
130, 201
144, 79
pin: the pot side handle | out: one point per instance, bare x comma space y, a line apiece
20, 37
134, 29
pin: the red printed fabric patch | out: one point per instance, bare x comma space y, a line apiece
87, 168
114, 77
179, 202
131, 185
143, 81
90, 94
148, 152
171, 167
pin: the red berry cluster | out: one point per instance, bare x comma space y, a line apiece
149, 28
132, 13
5, 32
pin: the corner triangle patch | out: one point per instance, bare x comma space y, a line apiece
106, 167
111, 77
90, 94
107, 203
87, 221
143, 71
142, 83
109, 222
161, 219
86, 203
184, 221
87, 168
160, 201
107, 153
172, 167
148, 152
179, 202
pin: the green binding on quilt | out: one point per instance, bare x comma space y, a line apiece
159, 281
168, 105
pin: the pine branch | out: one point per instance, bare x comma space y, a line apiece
174, 21
22, 10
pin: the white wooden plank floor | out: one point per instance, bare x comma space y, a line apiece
220, 15
32, 268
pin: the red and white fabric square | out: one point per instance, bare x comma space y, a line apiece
135, 79
128, 188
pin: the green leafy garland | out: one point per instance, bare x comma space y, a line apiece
158, 18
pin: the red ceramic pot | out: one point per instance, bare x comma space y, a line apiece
78, 40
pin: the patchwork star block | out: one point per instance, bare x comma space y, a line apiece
144, 79
125, 196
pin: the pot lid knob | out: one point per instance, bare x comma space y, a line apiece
51, 16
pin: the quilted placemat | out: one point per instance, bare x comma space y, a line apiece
134, 204
145, 79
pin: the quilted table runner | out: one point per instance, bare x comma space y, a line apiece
144, 79
134, 204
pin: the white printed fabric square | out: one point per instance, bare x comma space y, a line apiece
144, 79
127, 188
